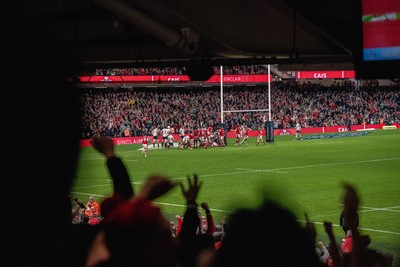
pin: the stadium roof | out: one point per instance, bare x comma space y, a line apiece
140, 33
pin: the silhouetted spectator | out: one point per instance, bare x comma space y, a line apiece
268, 235
41, 100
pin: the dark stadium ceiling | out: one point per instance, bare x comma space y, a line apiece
141, 33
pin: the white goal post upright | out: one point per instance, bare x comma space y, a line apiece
222, 93
269, 92
268, 124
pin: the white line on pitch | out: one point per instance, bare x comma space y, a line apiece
99, 185
183, 206
290, 168
394, 208
217, 174
333, 164
324, 143
368, 209
360, 228
256, 170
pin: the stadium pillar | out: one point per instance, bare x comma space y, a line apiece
269, 126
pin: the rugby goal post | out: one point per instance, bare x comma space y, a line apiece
269, 126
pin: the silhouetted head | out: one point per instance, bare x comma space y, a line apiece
265, 236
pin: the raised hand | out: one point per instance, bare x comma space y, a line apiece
104, 145
194, 187
205, 206
351, 202
155, 187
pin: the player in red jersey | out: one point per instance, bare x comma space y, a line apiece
196, 132
260, 136
221, 133
191, 139
238, 134
201, 135
209, 135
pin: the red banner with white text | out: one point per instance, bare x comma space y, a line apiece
259, 78
329, 74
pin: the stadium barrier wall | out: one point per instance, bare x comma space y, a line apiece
253, 133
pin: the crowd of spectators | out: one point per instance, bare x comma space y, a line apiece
141, 71
113, 110
240, 69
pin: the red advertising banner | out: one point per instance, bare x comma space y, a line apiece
138, 78
174, 78
135, 140
329, 74
100, 79
239, 79
252, 133
84, 79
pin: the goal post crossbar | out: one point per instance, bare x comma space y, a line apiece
246, 110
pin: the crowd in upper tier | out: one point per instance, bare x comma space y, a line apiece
240, 69
113, 110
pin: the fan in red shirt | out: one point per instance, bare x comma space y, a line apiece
347, 242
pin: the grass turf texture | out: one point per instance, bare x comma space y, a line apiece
305, 176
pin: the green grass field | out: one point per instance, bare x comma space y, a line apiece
306, 176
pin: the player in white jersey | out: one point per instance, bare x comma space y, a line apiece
165, 132
170, 140
185, 142
181, 134
298, 131
245, 134
155, 133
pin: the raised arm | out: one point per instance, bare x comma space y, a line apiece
210, 219
118, 172
191, 220
334, 247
